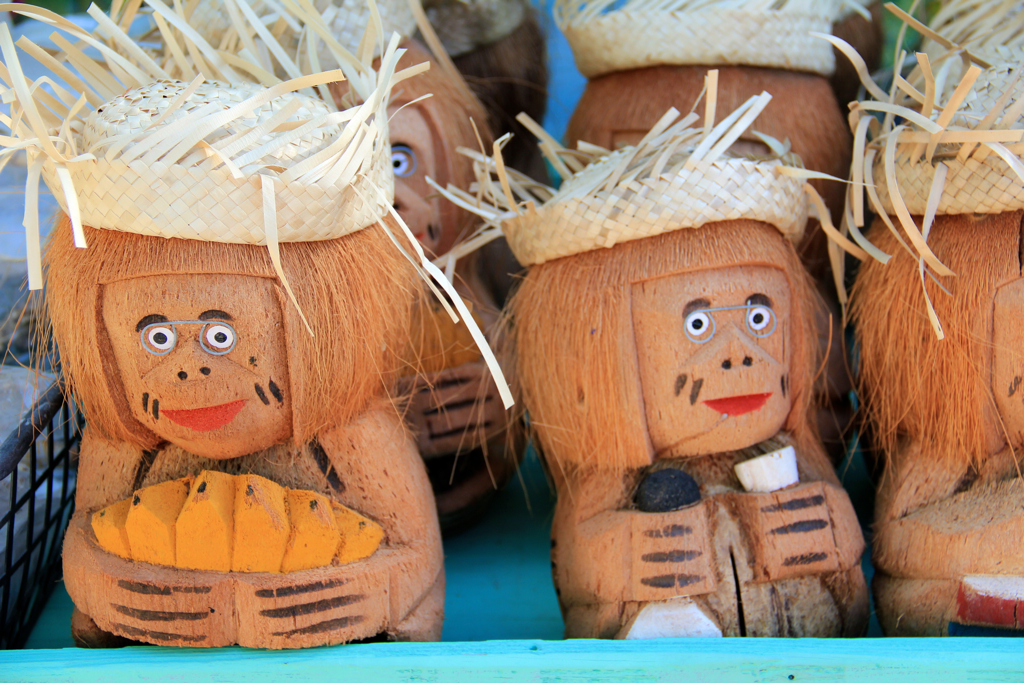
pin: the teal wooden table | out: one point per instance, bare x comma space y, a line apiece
502, 624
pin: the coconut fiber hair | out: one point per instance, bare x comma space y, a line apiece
912, 384
577, 355
356, 292
448, 111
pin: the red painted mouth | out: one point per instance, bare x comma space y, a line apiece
205, 419
734, 406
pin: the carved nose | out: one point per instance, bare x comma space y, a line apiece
182, 375
727, 363
205, 371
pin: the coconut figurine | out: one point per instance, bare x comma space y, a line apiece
641, 57
230, 305
665, 350
939, 315
454, 408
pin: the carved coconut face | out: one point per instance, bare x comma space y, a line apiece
202, 360
713, 353
413, 144
1008, 358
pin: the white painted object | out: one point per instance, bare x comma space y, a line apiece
769, 472
678, 618
996, 586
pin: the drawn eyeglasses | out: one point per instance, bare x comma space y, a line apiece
700, 325
217, 337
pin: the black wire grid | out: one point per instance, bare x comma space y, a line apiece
33, 525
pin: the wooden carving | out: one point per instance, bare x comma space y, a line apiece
242, 480
454, 409
947, 421
619, 108
651, 369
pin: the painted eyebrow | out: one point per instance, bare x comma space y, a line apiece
695, 305
149, 320
759, 300
214, 314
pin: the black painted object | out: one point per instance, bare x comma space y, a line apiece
665, 490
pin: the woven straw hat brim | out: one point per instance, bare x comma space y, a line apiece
625, 39
971, 186
676, 178
168, 200
726, 190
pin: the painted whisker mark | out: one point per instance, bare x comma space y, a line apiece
311, 607
275, 391
143, 588
455, 406
671, 580
785, 385
323, 626
669, 531
1014, 386
672, 556
695, 391
145, 403
322, 461
806, 558
795, 504
156, 408
680, 383
262, 395
137, 633
157, 615
802, 527
300, 589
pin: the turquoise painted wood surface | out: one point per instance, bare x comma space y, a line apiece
663, 661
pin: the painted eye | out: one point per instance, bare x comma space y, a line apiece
220, 337
758, 318
698, 324
403, 160
161, 338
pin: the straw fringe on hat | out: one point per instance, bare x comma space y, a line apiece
608, 36
677, 177
347, 21
946, 145
986, 27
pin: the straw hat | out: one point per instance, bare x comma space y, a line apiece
677, 177
198, 148
985, 27
950, 142
347, 21
615, 35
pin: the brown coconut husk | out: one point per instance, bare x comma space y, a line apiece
866, 37
358, 320
510, 76
572, 321
803, 109
913, 385
452, 112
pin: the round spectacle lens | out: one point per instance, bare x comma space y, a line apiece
160, 339
219, 338
699, 326
760, 320
403, 159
